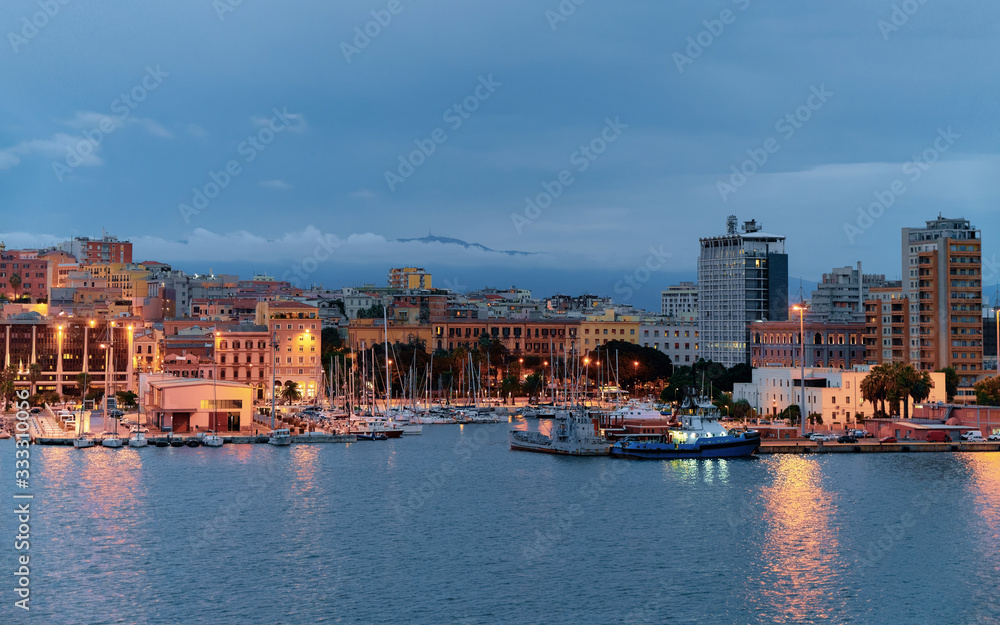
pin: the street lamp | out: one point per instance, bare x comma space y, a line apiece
274, 347
802, 363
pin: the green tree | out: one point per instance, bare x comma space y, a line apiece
533, 385
375, 311
742, 410
921, 387
7, 387
988, 391
34, 375
15, 283
290, 392
83, 381
127, 399
950, 382
510, 386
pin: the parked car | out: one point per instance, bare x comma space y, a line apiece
888, 439
974, 437
35, 410
971, 434
937, 436
822, 438
847, 438
994, 437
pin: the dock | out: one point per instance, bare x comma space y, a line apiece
809, 447
227, 440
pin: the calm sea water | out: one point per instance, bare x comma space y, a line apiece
452, 527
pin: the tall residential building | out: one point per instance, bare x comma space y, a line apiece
942, 279
742, 278
840, 297
680, 300
409, 278
107, 249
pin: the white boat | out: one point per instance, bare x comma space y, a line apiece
138, 438
82, 442
211, 439
111, 440
280, 438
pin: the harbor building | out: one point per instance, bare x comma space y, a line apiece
297, 330
183, 405
828, 344
932, 318
409, 278
32, 275
677, 339
841, 295
107, 249
61, 348
680, 301
833, 393
742, 278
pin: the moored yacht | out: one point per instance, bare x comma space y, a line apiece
138, 438
211, 439
110, 440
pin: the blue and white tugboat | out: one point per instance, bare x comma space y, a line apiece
574, 433
697, 434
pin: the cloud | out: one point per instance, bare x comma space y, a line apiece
275, 184
93, 127
196, 130
298, 121
362, 194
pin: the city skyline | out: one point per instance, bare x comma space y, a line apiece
306, 141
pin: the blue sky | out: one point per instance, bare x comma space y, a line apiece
673, 96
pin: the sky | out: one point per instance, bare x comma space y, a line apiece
303, 138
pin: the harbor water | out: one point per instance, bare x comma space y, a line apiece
453, 527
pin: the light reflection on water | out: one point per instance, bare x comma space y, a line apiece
314, 533
800, 543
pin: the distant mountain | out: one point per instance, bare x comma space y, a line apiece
450, 241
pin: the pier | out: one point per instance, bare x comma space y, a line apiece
809, 447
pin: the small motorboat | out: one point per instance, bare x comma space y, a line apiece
192, 443
377, 436
280, 438
176, 442
162, 444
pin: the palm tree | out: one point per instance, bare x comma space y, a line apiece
874, 388
290, 392
34, 375
15, 283
83, 381
533, 385
921, 388
7, 387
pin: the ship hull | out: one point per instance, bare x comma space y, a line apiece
548, 449
740, 448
